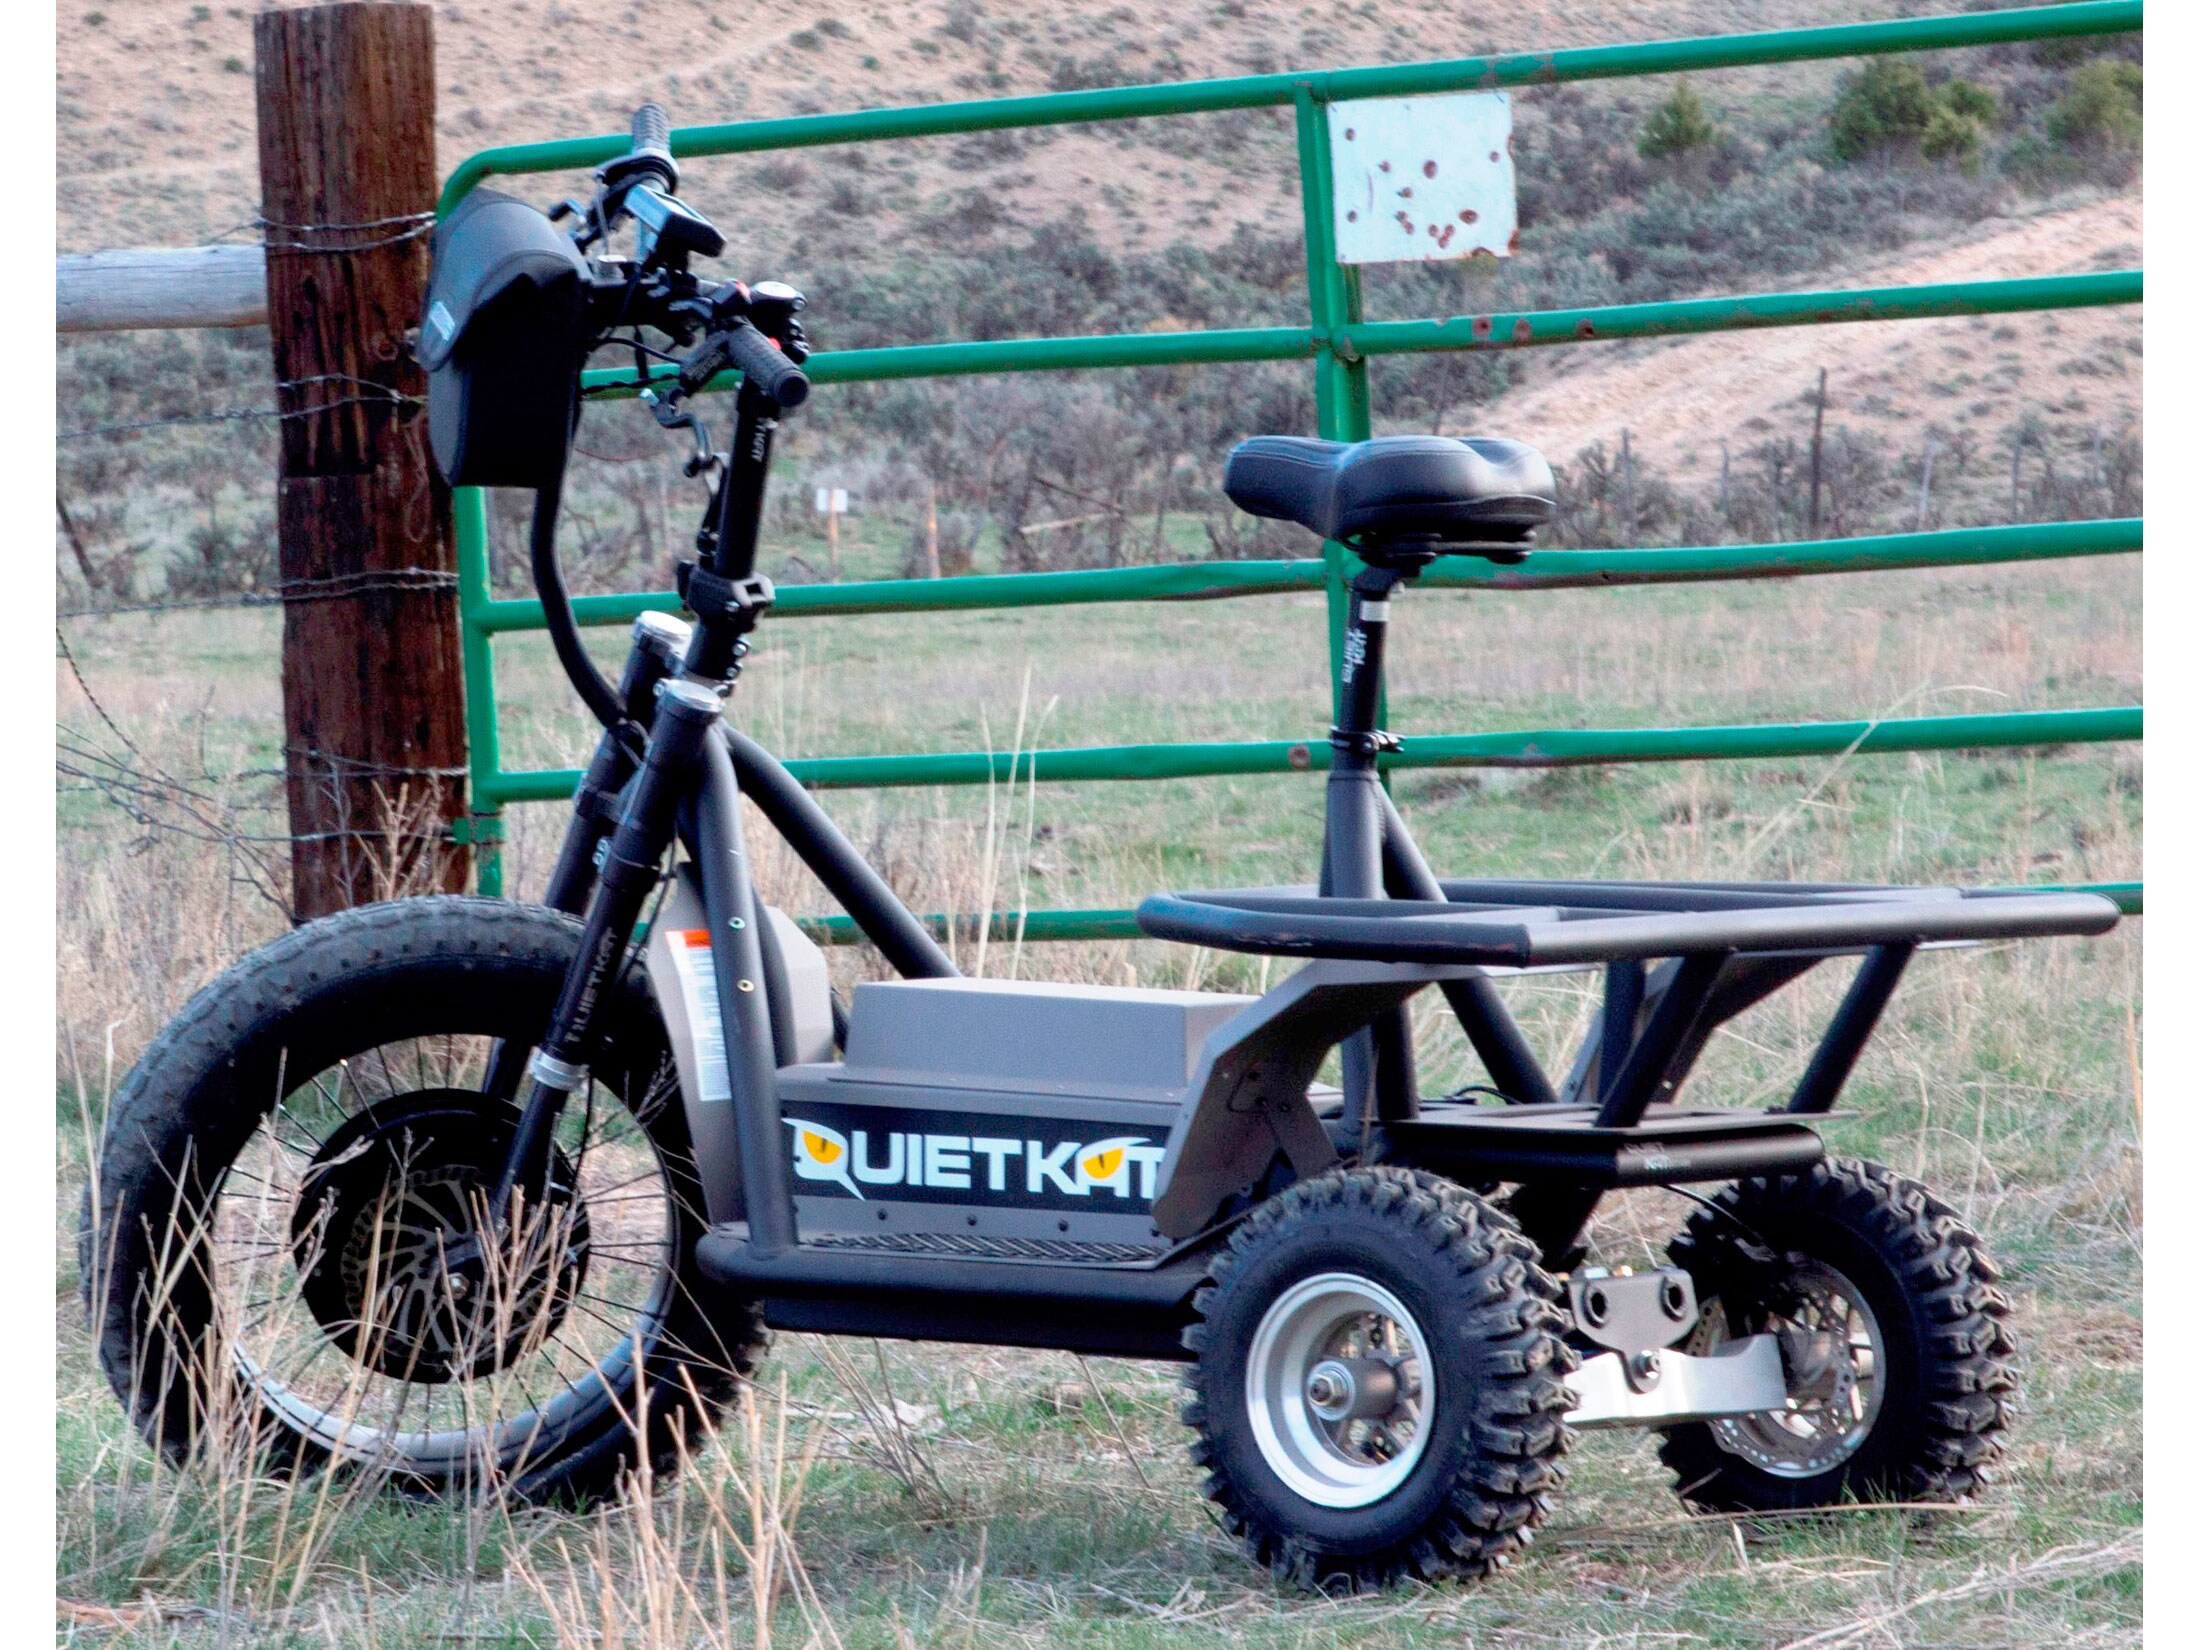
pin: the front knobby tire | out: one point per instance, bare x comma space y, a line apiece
1374, 1269
1921, 1412
211, 1129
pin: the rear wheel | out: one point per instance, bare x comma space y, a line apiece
287, 1256
1378, 1387
1900, 1365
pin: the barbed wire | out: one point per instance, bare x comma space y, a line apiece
291, 592
408, 225
354, 767
157, 801
375, 394
184, 604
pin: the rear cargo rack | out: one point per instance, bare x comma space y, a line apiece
1531, 924
1680, 959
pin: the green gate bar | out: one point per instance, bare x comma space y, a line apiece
1218, 580
1337, 342
1541, 748
1347, 340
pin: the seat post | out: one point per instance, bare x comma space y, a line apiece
1367, 623
1378, 1061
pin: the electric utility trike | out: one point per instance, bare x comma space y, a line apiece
501, 1197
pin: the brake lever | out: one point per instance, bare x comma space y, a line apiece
670, 415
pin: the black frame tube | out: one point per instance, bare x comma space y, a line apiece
729, 899
887, 923
1554, 1216
1651, 1070
1490, 1028
1289, 922
677, 736
1851, 1028
1623, 992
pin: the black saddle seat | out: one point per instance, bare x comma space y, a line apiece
1421, 490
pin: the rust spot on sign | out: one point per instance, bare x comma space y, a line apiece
1299, 757
1522, 331
1428, 168
1585, 328
1470, 215
1479, 326
1350, 134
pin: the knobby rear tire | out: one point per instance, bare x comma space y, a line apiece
1493, 1457
1950, 1377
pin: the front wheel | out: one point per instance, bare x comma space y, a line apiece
1378, 1386
1900, 1365
286, 1253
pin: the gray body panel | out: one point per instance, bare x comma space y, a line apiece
1249, 1098
682, 976
850, 1101
1032, 1037
1068, 1070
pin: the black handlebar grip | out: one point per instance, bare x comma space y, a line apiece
651, 150
652, 130
761, 364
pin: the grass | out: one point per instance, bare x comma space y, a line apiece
930, 1495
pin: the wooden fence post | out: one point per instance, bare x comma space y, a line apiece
373, 688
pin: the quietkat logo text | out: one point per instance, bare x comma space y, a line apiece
1009, 1161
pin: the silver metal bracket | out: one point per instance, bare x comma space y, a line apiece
1631, 1312
1745, 1377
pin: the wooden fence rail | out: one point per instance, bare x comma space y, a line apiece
172, 288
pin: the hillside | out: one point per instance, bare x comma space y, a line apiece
1964, 382
1169, 224
155, 102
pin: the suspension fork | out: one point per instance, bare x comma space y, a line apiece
685, 718
658, 638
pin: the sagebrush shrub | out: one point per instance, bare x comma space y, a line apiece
2102, 109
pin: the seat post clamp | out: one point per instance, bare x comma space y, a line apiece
712, 596
1364, 744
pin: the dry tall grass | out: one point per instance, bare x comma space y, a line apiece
949, 1496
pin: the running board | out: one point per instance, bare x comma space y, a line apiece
1619, 1390
1110, 1308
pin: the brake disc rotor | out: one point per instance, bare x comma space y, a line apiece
1835, 1357
393, 1260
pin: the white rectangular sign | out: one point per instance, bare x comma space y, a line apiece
1419, 179
832, 501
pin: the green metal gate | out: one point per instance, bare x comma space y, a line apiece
1338, 342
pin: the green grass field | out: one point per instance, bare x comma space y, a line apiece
966, 1496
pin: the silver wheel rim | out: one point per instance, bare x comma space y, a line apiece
1337, 1333
1832, 1347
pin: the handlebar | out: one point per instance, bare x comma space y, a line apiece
719, 325
763, 365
